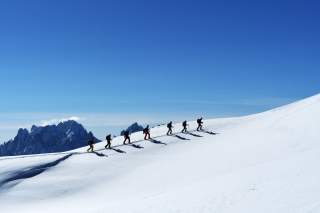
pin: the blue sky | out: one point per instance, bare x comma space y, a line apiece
114, 62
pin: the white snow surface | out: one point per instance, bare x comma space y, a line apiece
263, 163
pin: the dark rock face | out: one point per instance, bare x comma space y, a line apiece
133, 128
54, 138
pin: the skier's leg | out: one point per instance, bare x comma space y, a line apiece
108, 146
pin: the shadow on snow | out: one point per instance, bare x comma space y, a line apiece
30, 172
118, 150
181, 138
157, 141
194, 135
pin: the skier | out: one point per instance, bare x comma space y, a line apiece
109, 139
126, 136
184, 124
200, 122
91, 145
170, 126
146, 132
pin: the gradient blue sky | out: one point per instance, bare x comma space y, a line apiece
113, 62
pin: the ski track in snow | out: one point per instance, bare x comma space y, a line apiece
263, 163
11, 179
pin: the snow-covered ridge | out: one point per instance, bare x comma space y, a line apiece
260, 163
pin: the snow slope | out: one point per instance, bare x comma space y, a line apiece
266, 162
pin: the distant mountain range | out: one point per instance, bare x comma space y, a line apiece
135, 127
53, 138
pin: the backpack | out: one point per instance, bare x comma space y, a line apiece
91, 142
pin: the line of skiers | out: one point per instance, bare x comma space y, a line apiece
147, 135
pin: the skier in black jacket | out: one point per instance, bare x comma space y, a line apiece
91, 145
200, 122
109, 139
184, 125
126, 136
170, 126
146, 132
